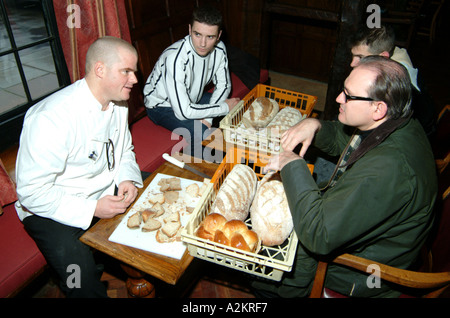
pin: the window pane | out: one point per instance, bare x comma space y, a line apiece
5, 44
27, 21
12, 93
39, 69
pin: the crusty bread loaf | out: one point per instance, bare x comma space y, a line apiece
270, 215
236, 193
233, 233
286, 118
260, 112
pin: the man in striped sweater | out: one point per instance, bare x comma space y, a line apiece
174, 93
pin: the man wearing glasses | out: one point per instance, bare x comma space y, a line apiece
379, 202
76, 163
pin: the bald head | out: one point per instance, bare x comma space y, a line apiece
106, 50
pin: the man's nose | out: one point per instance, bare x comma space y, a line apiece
340, 99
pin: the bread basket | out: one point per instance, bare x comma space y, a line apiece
269, 262
236, 134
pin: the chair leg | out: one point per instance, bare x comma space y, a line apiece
319, 280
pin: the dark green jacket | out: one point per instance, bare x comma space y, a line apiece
380, 208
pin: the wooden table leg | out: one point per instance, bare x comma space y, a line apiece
137, 285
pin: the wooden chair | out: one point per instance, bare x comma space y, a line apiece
437, 282
441, 145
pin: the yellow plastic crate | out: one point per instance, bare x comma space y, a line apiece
235, 134
269, 262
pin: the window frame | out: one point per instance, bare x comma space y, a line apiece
11, 122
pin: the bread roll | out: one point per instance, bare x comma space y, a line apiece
260, 113
270, 215
236, 193
234, 233
286, 118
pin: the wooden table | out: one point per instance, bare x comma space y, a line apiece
135, 262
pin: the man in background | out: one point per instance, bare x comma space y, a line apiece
174, 93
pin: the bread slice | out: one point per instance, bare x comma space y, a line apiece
151, 225
171, 228
170, 184
173, 217
156, 198
158, 209
193, 190
147, 214
171, 196
134, 221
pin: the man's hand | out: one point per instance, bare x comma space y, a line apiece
277, 163
110, 205
232, 102
303, 132
127, 191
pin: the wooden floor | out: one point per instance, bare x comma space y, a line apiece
215, 282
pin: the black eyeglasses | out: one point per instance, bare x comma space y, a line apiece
110, 154
350, 97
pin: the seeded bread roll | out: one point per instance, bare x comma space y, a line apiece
260, 113
269, 213
236, 193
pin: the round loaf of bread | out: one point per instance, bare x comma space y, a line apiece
236, 193
270, 214
260, 113
285, 119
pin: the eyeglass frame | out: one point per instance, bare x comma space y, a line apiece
110, 144
350, 98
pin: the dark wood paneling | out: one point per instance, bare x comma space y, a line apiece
299, 37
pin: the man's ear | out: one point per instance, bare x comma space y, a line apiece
190, 29
218, 37
99, 69
380, 111
385, 54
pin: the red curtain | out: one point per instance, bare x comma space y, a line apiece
81, 22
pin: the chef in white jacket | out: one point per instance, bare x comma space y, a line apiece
76, 163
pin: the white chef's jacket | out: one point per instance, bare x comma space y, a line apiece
62, 168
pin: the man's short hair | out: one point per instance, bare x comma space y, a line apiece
392, 85
209, 15
377, 39
105, 49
